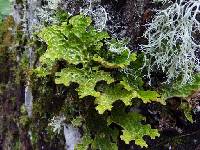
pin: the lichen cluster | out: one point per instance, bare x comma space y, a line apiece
89, 88
172, 41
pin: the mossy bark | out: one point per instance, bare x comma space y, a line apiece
14, 133
11, 93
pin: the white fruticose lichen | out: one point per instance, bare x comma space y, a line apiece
53, 4
172, 43
97, 13
57, 123
163, 1
46, 13
72, 135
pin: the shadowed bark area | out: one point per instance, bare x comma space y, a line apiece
127, 19
133, 14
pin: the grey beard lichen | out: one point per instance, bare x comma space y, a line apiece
97, 13
172, 45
